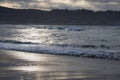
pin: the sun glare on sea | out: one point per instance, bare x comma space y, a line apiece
34, 35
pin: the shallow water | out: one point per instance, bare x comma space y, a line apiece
93, 41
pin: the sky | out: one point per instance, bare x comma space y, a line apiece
96, 5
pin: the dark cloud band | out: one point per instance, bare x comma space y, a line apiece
63, 4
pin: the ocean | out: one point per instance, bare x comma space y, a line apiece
71, 40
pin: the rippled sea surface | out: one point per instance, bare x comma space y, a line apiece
91, 41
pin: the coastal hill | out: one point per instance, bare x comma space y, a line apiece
58, 17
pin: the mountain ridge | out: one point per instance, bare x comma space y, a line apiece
58, 17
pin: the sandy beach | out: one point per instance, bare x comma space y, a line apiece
15, 65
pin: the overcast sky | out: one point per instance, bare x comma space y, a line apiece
63, 4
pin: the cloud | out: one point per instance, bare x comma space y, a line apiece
63, 4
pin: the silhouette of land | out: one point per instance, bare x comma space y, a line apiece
58, 17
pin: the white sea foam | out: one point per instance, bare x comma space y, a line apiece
73, 51
90, 41
66, 28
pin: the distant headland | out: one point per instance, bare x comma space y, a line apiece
59, 17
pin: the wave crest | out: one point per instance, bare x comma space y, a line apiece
51, 49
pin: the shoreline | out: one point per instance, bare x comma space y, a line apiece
24, 65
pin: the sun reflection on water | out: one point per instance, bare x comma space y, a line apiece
34, 35
48, 67
27, 68
28, 57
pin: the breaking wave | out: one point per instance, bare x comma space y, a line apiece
60, 50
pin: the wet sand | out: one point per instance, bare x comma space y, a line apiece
15, 65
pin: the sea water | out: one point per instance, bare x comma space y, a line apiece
74, 40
